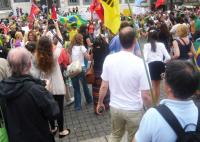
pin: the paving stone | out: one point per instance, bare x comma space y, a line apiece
85, 125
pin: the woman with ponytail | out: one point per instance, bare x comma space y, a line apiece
155, 55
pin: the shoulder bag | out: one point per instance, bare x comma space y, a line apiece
90, 76
3, 131
75, 68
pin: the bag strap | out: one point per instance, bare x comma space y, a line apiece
183, 41
179, 43
171, 119
198, 121
190, 43
3, 118
60, 40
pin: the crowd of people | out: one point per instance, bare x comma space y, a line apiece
149, 49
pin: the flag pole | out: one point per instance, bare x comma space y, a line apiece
145, 65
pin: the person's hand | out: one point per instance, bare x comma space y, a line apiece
47, 84
190, 54
100, 108
56, 24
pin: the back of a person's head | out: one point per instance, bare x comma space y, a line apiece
83, 29
152, 38
51, 25
100, 41
44, 54
78, 39
182, 78
164, 29
31, 46
127, 37
12, 34
19, 60
124, 24
182, 30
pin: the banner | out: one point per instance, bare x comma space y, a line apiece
111, 14
159, 3
73, 19
97, 7
34, 11
53, 12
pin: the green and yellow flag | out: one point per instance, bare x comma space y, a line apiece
73, 19
111, 14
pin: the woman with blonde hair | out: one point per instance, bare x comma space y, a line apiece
183, 48
46, 61
78, 52
19, 39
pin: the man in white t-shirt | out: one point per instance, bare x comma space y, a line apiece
124, 74
180, 84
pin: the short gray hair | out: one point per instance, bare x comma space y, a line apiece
19, 60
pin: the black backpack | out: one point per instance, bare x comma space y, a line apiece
182, 136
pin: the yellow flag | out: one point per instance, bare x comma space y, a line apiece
111, 14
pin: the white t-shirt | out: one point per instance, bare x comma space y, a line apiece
78, 54
151, 56
154, 128
126, 75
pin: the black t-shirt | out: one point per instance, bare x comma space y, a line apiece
99, 55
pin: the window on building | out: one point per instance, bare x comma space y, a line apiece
4, 4
131, 1
73, 2
21, 0
87, 2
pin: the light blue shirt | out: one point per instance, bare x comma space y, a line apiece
115, 46
154, 128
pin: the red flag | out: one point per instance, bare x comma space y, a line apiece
159, 3
53, 13
34, 11
92, 7
97, 7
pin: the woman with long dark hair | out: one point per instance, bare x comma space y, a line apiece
32, 36
164, 36
154, 52
46, 60
100, 51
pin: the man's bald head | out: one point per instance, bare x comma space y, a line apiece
19, 60
127, 37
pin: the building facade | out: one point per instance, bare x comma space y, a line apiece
63, 4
